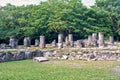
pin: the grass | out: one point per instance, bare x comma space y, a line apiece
59, 70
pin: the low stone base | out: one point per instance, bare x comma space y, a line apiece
40, 59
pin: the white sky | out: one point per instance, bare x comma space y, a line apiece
27, 2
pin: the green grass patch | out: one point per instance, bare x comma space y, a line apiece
58, 70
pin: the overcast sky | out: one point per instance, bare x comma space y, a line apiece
27, 2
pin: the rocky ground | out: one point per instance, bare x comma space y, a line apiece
87, 54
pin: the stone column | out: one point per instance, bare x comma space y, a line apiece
111, 40
60, 41
94, 39
70, 37
101, 41
89, 43
37, 42
53, 43
42, 42
67, 43
12, 42
27, 42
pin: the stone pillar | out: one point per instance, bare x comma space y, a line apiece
101, 41
12, 42
27, 42
37, 42
89, 43
70, 37
53, 43
111, 40
42, 42
67, 43
60, 41
94, 39
79, 44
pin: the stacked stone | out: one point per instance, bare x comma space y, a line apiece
80, 43
60, 41
37, 42
101, 41
42, 42
13, 42
27, 42
70, 37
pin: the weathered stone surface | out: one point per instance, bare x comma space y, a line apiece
89, 43
60, 41
37, 42
80, 43
64, 57
48, 54
60, 38
54, 44
27, 42
60, 45
111, 41
19, 56
28, 55
70, 37
40, 59
6, 57
42, 42
3, 46
101, 41
1, 54
94, 39
37, 53
13, 42
67, 43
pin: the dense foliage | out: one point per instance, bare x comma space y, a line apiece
60, 16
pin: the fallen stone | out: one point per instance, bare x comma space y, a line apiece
40, 59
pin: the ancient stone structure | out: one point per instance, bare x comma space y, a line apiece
67, 43
79, 44
54, 44
111, 40
94, 39
40, 59
37, 42
60, 41
13, 42
27, 42
101, 41
89, 43
70, 37
20, 55
28, 55
42, 42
